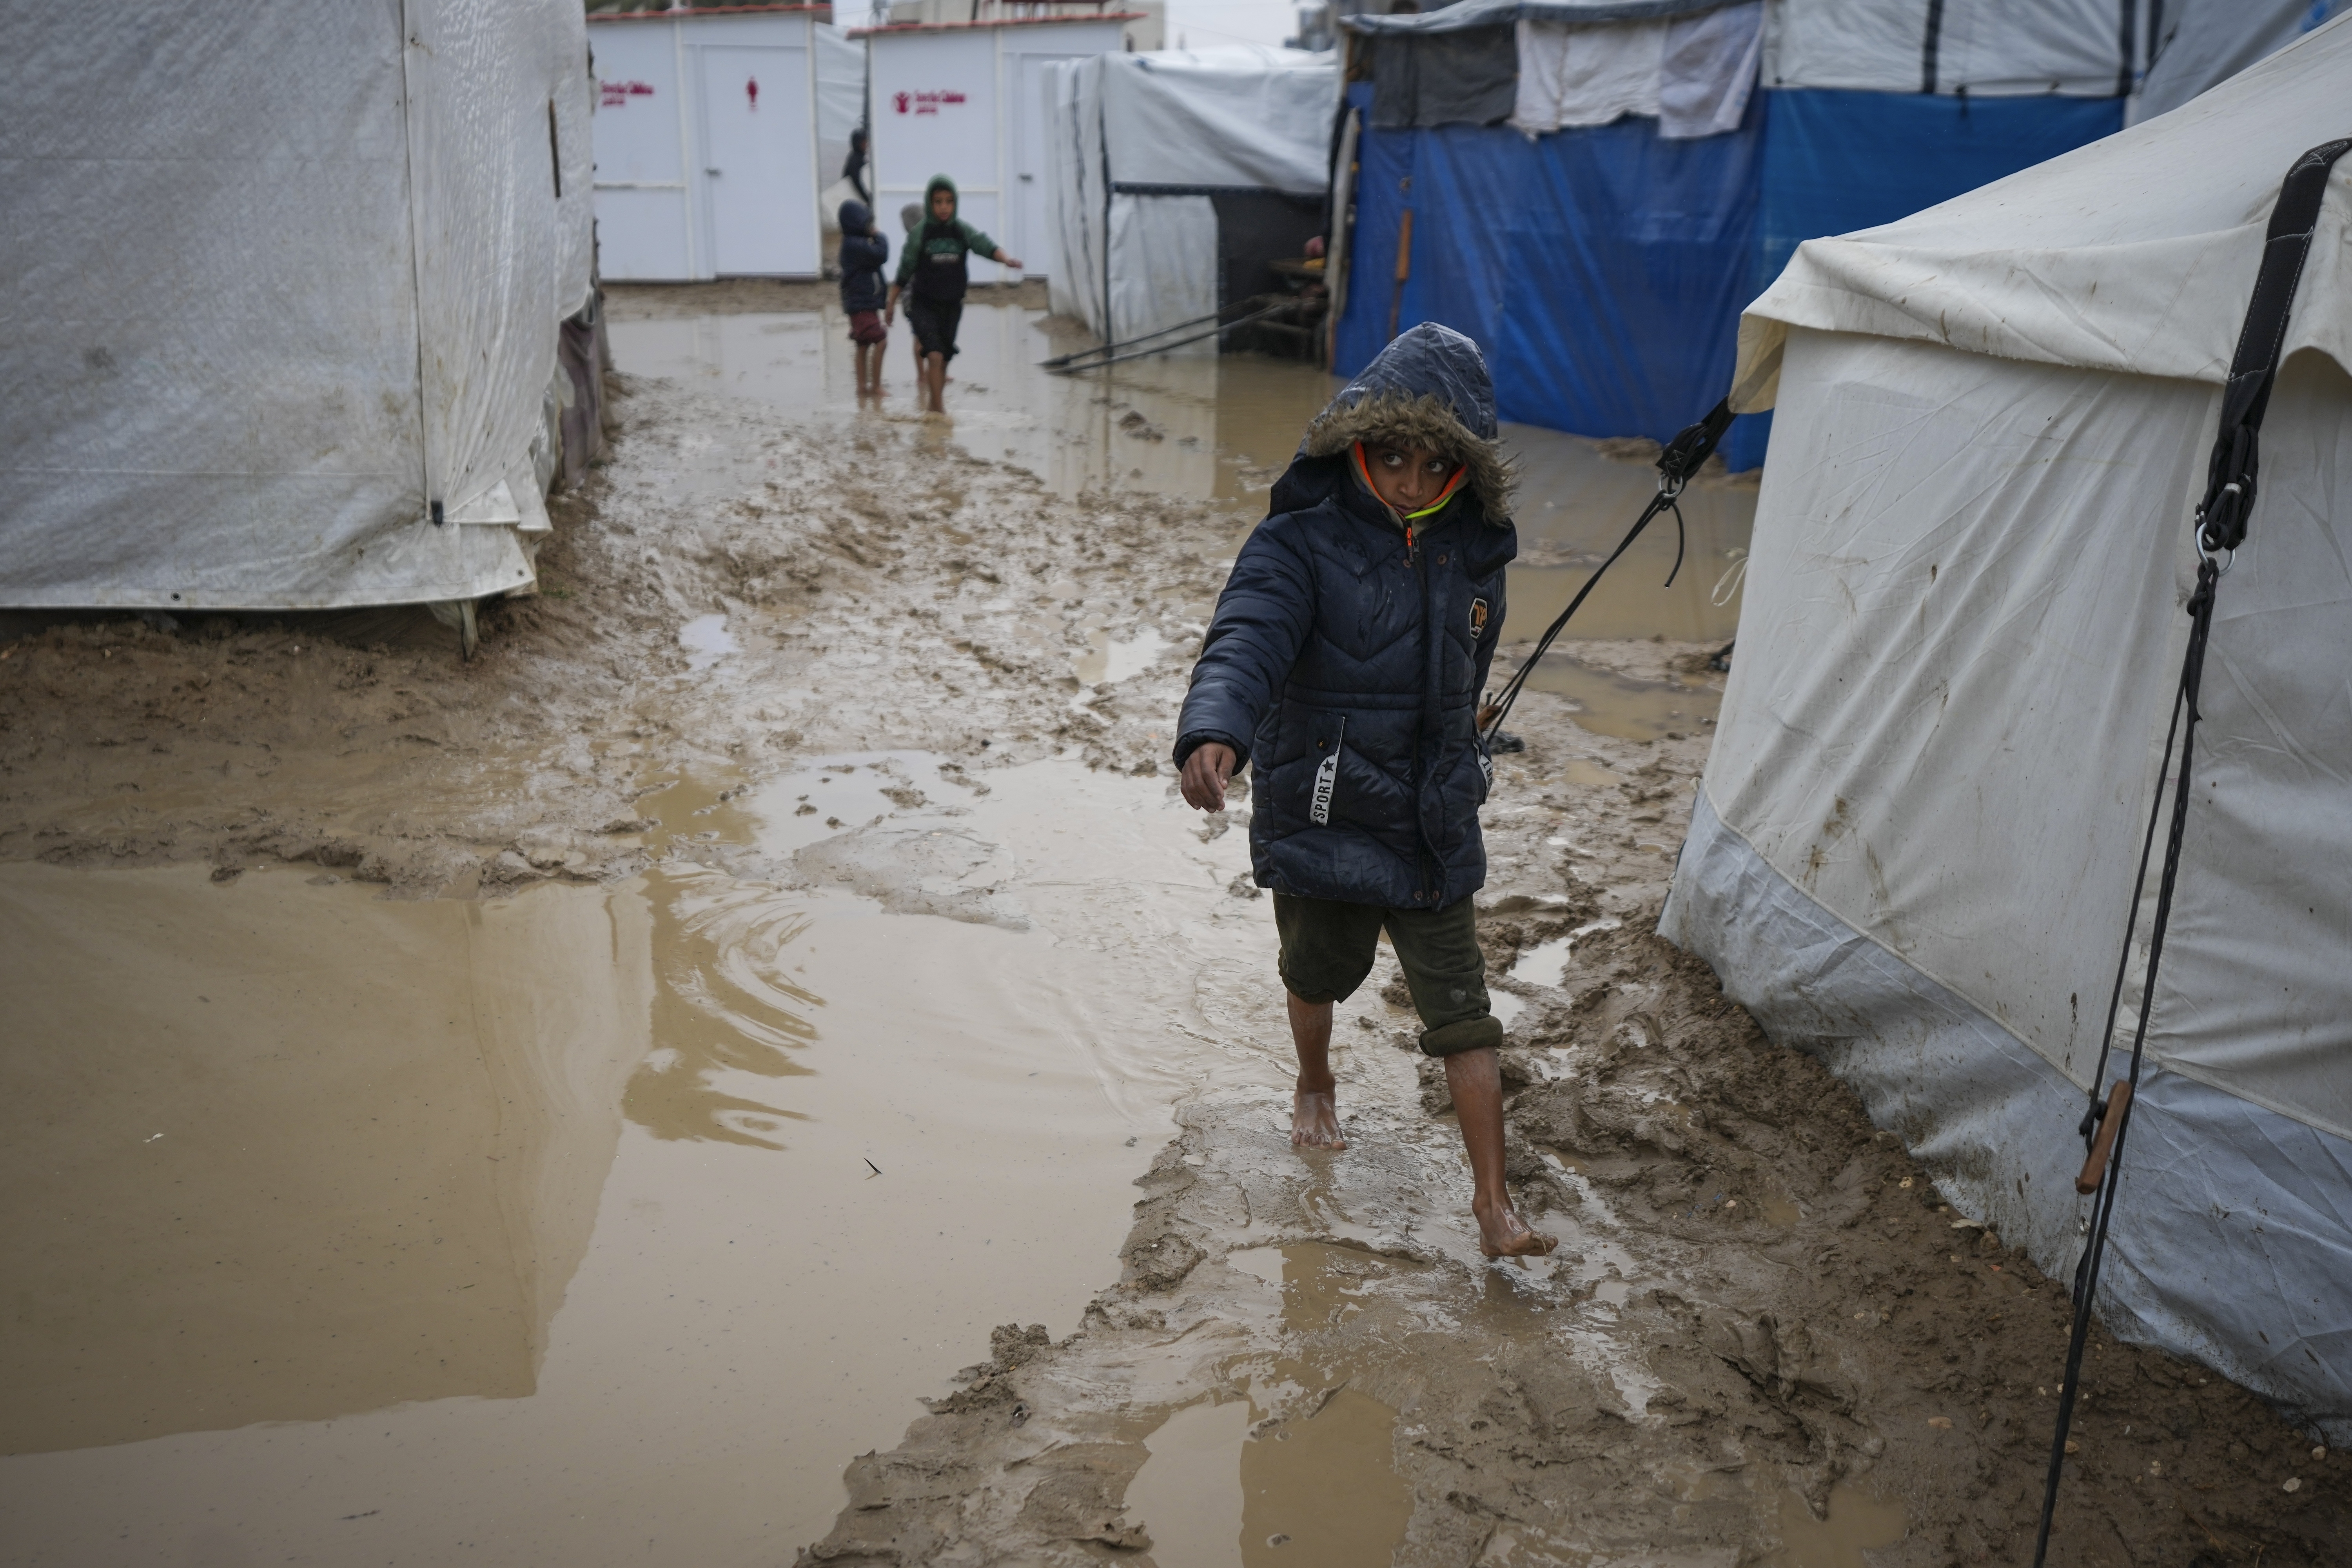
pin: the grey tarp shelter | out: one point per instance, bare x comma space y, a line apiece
287, 286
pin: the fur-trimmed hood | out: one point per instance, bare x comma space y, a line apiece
1428, 389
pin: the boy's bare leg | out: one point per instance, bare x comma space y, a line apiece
1476, 1078
935, 378
1315, 1109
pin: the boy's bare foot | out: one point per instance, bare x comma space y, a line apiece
1503, 1234
1315, 1120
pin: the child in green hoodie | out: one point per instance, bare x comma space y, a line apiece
933, 276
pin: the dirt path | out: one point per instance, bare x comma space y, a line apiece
1760, 1310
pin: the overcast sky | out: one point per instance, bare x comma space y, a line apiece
1204, 24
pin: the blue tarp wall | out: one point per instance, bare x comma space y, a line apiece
1603, 270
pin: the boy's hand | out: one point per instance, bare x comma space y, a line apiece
1206, 771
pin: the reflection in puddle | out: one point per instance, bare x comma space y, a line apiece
1857, 1522
1302, 1469
1113, 661
706, 640
1610, 704
497, 1199
280, 1151
726, 1011
1188, 1495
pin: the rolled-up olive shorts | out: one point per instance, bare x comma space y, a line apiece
1328, 947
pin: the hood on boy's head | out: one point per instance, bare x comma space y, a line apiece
1428, 389
855, 217
941, 183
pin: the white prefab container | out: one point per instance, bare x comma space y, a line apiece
969, 100
707, 144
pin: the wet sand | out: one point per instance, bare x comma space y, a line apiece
563, 1107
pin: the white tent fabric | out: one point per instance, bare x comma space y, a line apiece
282, 286
1990, 47
1693, 74
1914, 848
1246, 116
1139, 144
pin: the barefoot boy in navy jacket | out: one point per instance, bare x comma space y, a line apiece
1345, 664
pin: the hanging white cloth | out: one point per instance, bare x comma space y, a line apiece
1693, 74
1587, 74
1709, 71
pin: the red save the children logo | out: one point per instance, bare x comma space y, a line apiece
616, 94
923, 102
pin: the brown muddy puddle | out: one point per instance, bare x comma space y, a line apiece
1293, 1465
1608, 703
593, 1223
1219, 429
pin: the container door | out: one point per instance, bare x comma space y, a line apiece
759, 168
1025, 206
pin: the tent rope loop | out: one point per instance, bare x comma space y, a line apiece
2221, 525
1680, 458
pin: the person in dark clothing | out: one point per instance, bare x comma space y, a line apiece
853, 171
1344, 665
933, 276
863, 253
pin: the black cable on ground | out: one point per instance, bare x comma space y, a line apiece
1063, 367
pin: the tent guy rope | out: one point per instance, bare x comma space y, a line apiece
2222, 519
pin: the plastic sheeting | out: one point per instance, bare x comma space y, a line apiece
2161, 218
1693, 74
840, 99
1244, 118
2206, 42
1837, 161
1467, 14
338, 302
1142, 143
1600, 270
1920, 822
1985, 48
1447, 79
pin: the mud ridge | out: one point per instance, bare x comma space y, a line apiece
1761, 1302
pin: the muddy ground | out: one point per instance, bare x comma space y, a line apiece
1764, 1338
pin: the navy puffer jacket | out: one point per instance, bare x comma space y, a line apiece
1348, 654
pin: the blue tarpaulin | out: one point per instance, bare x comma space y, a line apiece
1602, 270
1837, 161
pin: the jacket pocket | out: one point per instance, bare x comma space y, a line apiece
1329, 744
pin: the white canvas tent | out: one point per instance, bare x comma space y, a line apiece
1914, 848
285, 287
1143, 145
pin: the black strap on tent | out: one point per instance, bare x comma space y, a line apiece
1676, 464
2222, 519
